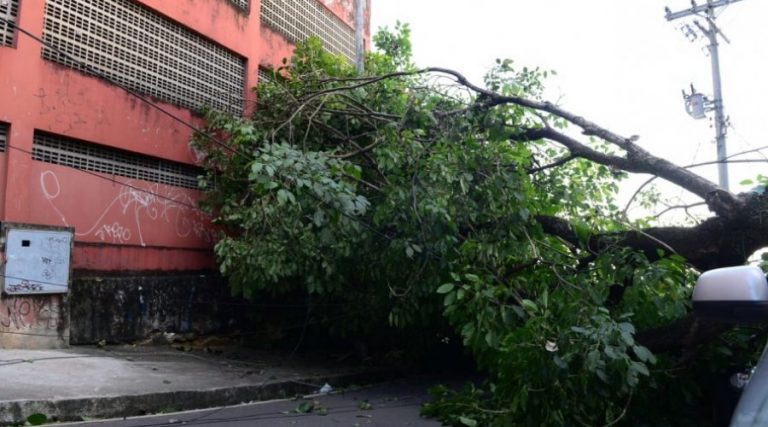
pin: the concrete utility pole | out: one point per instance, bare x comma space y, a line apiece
696, 103
359, 42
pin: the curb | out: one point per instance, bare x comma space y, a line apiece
13, 412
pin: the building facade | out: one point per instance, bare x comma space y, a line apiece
96, 102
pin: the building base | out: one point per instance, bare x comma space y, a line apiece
128, 308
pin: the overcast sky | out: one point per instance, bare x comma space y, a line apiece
619, 63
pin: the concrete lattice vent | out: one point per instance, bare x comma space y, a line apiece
136, 47
3, 136
9, 9
298, 20
242, 4
81, 155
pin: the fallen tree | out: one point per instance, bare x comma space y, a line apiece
413, 198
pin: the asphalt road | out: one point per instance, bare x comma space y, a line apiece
395, 403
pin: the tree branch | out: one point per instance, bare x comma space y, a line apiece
563, 160
716, 242
640, 161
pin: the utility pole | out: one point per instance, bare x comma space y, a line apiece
359, 42
696, 103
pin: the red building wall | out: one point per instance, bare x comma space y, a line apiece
120, 223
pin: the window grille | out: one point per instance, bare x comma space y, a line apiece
242, 4
265, 75
298, 20
9, 10
85, 156
145, 52
3, 136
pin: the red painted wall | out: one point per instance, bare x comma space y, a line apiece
117, 227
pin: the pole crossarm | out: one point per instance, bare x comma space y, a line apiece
698, 8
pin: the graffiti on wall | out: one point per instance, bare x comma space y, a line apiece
64, 106
29, 312
137, 206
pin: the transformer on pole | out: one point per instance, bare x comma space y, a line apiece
696, 104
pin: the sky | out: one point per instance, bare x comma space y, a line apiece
619, 63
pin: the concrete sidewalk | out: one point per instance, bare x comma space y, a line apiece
84, 382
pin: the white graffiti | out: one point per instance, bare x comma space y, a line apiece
140, 202
114, 232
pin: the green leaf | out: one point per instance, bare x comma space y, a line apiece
644, 354
627, 338
610, 351
474, 278
445, 288
284, 196
640, 368
627, 327
491, 340
579, 330
450, 298
305, 407
469, 422
518, 311
530, 305
582, 230
37, 419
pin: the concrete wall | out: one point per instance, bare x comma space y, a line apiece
129, 308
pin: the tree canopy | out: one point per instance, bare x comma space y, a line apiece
418, 199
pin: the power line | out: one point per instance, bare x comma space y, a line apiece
343, 409
91, 70
196, 130
212, 138
96, 73
114, 181
749, 145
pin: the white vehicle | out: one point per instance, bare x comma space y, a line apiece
737, 294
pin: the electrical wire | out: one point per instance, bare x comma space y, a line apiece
204, 419
91, 70
272, 416
146, 100
746, 143
95, 72
124, 184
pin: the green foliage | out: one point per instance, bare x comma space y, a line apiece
37, 419
395, 48
414, 206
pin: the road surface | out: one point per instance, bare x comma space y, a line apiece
396, 403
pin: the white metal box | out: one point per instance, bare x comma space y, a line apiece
37, 260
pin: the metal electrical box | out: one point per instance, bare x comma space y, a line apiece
37, 260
